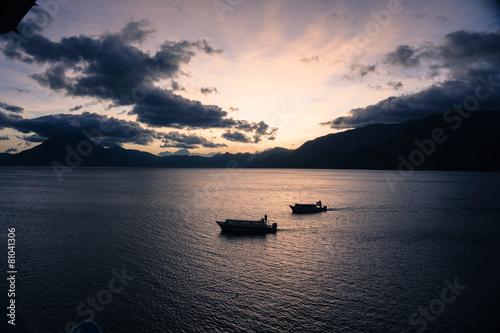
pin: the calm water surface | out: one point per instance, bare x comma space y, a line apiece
377, 261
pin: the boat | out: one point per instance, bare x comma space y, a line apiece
308, 208
247, 226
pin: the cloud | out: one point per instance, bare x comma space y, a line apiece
187, 141
76, 108
314, 58
442, 18
359, 71
260, 130
112, 67
4, 137
11, 108
391, 85
135, 31
434, 99
31, 138
404, 55
337, 16
208, 90
175, 86
19, 90
236, 137
395, 85
180, 152
466, 59
10, 150
115, 130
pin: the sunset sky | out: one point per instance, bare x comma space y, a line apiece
239, 75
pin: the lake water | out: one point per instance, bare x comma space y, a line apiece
143, 243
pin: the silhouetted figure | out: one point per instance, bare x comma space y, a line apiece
12, 12
265, 218
319, 203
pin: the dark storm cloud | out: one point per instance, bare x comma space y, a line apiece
163, 108
111, 67
4, 137
467, 53
260, 130
187, 141
404, 55
468, 61
11, 108
118, 131
236, 137
432, 100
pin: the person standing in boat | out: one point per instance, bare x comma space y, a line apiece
265, 218
319, 204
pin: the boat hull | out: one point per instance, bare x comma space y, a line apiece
242, 226
307, 209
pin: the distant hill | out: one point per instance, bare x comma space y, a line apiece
433, 143
78, 150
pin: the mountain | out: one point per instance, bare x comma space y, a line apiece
78, 150
437, 142
330, 151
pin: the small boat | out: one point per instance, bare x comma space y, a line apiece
308, 208
250, 226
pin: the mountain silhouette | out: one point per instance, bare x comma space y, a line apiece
437, 142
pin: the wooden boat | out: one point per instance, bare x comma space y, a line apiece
308, 208
247, 226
